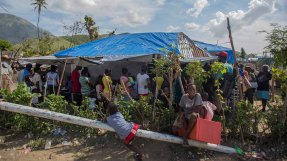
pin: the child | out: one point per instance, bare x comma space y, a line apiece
208, 106
125, 130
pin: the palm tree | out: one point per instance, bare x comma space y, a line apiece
38, 5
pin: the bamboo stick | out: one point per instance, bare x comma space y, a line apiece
62, 76
1, 69
235, 59
6, 106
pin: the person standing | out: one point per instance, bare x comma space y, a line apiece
36, 85
143, 83
125, 84
37, 81
249, 90
76, 87
27, 74
20, 73
52, 80
85, 83
263, 79
107, 82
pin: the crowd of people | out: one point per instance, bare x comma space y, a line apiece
143, 86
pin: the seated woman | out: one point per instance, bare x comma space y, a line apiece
192, 106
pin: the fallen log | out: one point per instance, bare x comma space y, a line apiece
6, 106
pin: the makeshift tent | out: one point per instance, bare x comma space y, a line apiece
215, 49
139, 46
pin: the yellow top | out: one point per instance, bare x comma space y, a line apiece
107, 81
159, 82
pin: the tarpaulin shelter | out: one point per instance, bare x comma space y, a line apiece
134, 50
138, 47
213, 49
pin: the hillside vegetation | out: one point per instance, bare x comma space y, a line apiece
16, 29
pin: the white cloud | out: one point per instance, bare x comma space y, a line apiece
160, 2
131, 13
171, 28
191, 26
239, 18
198, 6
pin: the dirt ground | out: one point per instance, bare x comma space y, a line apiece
100, 148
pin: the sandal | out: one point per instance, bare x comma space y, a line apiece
138, 157
185, 143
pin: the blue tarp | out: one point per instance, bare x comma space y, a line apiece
124, 46
215, 48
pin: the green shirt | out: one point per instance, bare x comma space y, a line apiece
85, 87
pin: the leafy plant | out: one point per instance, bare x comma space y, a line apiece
281, 76
83, 111
37, 143
21, 95
273, 120
5, 45
55, 103
277, 44
195, 71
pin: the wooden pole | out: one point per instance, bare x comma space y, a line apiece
235, 60
1, 69
62, 76
6, 106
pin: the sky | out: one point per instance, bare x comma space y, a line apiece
202, 20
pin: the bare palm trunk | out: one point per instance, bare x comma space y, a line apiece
38, 26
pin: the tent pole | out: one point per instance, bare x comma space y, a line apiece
6, 106
235, 59
62, 76
0, 68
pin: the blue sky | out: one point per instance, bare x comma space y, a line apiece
203, 20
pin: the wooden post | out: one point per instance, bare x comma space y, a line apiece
0, 68
62, 76
235, 60
272, 90
6, 106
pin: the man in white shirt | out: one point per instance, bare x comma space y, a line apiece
52, 80
143, 83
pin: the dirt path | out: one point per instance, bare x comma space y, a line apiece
99, 148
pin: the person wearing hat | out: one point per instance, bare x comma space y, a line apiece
228, 80
222, 57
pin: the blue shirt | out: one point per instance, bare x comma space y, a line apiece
26, 73
229, 68
121, 126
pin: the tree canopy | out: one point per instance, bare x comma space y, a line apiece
91, 28
5, 45
277, 44
243, 53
